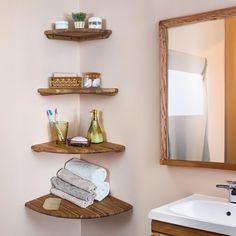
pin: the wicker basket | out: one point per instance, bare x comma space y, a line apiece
65, 82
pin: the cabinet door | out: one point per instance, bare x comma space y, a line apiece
177, 230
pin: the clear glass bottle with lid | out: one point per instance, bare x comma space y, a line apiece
92, 80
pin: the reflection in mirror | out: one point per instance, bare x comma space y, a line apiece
230, 89
196, 55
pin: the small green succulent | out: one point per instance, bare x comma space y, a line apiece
80, 16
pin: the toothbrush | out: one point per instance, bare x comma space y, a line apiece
50, 116
52, 120
57, 118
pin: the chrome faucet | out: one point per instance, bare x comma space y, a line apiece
232, 190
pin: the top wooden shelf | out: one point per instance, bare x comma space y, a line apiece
60, 91
78, 34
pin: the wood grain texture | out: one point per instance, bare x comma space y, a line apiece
177, 230
78, 34
199, 17
96, 91
202, 164
163, 45
157, 234
66, 149
163, 38
230, 90
107, 207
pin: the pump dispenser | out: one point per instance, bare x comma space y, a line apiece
95, 134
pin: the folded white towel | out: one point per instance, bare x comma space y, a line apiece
102, 190
86, 170
76, 180
70, 198
72, 190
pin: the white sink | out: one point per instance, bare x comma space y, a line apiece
201, 212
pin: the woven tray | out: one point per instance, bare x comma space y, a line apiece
65, 82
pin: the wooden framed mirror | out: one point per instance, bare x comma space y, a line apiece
198, 90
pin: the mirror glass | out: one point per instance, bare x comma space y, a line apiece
201, 85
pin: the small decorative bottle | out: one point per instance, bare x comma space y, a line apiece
95, 134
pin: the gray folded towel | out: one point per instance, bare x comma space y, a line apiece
72, 190
76, 180
70, 198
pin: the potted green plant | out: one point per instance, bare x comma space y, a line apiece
79, 19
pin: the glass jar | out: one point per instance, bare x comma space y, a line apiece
92, 80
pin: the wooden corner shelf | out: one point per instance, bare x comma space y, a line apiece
66, 149
107, 207
78, 34
96, 91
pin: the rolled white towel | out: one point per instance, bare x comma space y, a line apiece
102, 190
76, 180
70, 198
86, 170
72, 190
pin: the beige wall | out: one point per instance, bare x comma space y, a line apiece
129, 60
27, 59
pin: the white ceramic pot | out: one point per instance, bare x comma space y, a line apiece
61, 25
79, 24
95, 22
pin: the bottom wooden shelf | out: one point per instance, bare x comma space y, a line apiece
107, 207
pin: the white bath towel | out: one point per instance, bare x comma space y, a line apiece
70, 198
102, 190
86, 170
72, 190
76, 180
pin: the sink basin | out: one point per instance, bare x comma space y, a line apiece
201, 212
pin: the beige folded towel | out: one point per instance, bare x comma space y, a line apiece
70, 198
72, 190
76, 180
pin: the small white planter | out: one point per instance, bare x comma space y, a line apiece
61, 25
95, 22
79, 24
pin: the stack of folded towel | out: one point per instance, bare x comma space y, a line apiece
80, 182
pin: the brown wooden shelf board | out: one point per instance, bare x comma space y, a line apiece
107, 207
66, 149
78, 34
96, 91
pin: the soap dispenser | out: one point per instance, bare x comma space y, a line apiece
95, 134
